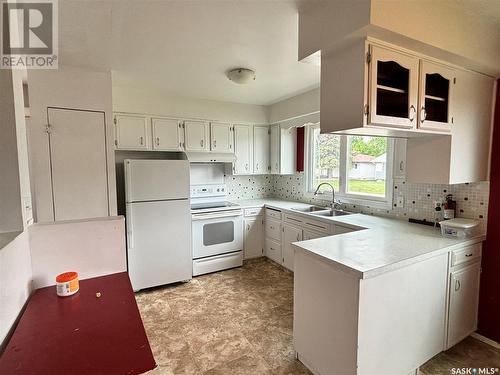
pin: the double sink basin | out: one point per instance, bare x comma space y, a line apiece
321, 211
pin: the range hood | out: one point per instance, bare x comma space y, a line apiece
210, 157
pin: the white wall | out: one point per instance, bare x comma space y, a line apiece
298, 105
151, 101
10, 195
67, 87
15, 281
90, 247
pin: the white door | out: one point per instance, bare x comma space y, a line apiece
149, 180
436, 86
131, 132
159, 242
196, 136
78, 163
290, 234
464, 294
166, 134
275, 149
243, 143
393, 88
221, 136
261, 150
254, 234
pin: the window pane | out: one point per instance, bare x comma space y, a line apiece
326, 160
366, 165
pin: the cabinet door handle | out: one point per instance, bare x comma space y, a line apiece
215, 143
141, 140
246, 166
257, 166
468, 255
298, 237
157, 141
412, 107
423, 114
248, 226
457, 285
201, 143
401, 165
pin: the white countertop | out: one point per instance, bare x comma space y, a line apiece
378, 246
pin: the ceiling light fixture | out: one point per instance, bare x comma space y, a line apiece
241, 75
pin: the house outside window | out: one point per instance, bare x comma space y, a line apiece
358, 167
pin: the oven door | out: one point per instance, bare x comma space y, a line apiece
217, 233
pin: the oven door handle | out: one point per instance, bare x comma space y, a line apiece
216, 215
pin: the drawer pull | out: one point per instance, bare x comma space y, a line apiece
468, 255
457, 285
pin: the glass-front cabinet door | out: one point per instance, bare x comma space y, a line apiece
436, 84
393, 88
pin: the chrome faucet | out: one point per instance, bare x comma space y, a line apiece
333, 192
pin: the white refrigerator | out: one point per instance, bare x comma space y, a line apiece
158, 220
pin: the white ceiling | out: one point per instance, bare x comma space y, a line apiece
184, 47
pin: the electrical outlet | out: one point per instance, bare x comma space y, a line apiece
437, 205
400, 202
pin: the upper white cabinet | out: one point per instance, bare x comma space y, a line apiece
196, 135
261, 145
436, 87
221, 137
243, 149
167, 134
393, 88
132, 132
283, 143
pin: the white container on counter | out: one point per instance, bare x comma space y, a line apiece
459, 228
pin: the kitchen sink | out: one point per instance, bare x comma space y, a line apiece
310, 209
331, 213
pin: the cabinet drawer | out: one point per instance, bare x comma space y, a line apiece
256, 211
464, 255
317, 225
273, 250
338, 229
273, 230
311, 234
275, 214
292, 219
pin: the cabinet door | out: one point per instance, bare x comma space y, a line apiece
166, 134
393, 88
399, 158
132, 132
261, 150
221, 136
288, 151
275, 149
464, 293
273, 250
254, 236
290, 234
436, 85
243, 143
196, 136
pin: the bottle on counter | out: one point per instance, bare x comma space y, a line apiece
450, 207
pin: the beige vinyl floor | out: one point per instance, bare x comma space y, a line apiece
240, 321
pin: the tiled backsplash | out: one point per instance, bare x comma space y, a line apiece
472, 199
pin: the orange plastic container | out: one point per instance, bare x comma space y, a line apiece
67, 284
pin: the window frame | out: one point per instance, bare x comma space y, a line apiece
342, 195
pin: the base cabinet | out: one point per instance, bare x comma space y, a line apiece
254, 234
290, 234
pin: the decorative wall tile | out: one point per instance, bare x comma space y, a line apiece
472, 198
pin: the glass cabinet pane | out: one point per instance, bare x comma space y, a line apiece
392, 89
436, 97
